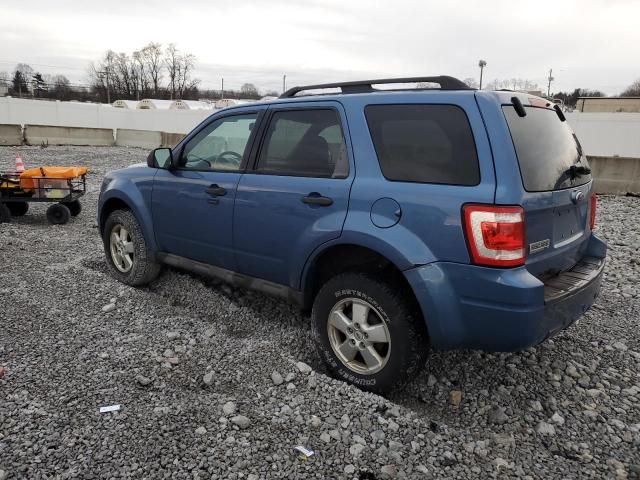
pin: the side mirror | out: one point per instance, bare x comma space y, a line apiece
160, 158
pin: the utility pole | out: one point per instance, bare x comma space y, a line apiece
222, 89
284, 83
481, 64
549, 84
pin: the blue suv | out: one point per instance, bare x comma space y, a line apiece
405, 219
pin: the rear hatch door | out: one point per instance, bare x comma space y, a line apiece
557, 187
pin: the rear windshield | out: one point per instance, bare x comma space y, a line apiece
424, 143
549, 154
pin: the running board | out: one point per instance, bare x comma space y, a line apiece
233, 278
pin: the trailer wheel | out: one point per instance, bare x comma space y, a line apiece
58, 214
75, 207
18, 209
5, 213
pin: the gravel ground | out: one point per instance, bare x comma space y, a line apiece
209, 383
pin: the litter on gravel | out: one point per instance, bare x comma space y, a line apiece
304, 451
110, 408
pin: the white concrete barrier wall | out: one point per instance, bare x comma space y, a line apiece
91, 115
138, 138
53, 135
11, 135
602, 134
607, 134
615, 174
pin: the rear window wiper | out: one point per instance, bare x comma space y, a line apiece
575, 171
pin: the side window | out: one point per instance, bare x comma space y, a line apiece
221, 145
424, 143
306, 143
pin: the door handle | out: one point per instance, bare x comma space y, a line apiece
216, 190
317, 199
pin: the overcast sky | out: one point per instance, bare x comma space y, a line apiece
588, 43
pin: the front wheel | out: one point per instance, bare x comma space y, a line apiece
127, 254
368, 333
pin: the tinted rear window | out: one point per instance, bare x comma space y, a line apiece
546, 149
424, 143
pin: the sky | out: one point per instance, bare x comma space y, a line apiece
588, 43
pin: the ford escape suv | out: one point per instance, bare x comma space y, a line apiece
404, 219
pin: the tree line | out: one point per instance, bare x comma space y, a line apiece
26, 82
153, 71
569, 98
161, 72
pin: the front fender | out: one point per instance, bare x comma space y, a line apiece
135, 194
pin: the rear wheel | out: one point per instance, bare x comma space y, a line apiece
18, 209
75, 207
127, 255
58, 214
368, 333
5, 213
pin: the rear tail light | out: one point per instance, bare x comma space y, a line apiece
592, 211
495, 235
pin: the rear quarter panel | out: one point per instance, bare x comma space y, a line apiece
430, 227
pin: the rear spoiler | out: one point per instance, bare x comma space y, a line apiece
520, 110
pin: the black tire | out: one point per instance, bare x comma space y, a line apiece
18, 209
58, 214
404, 324
74, 207
5, 213
144, 268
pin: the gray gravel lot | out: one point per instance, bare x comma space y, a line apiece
207, 380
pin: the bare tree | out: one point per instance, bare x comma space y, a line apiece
140, 73
172, 62
512, 84
103, 77
186, 64
471, 82
152, 58
632, 90
249, 90
21, 78
61, 87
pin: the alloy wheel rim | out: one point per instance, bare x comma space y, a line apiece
121, 248
359, 336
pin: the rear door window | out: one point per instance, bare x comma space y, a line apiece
424, 143
548, 152
307, 143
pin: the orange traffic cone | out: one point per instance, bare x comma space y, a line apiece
19, 163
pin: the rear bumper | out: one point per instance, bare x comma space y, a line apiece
467, 306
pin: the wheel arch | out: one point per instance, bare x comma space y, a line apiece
345, 257
121, 201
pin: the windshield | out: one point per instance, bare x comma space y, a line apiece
549, 154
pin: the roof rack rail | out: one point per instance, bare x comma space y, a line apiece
363, 86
